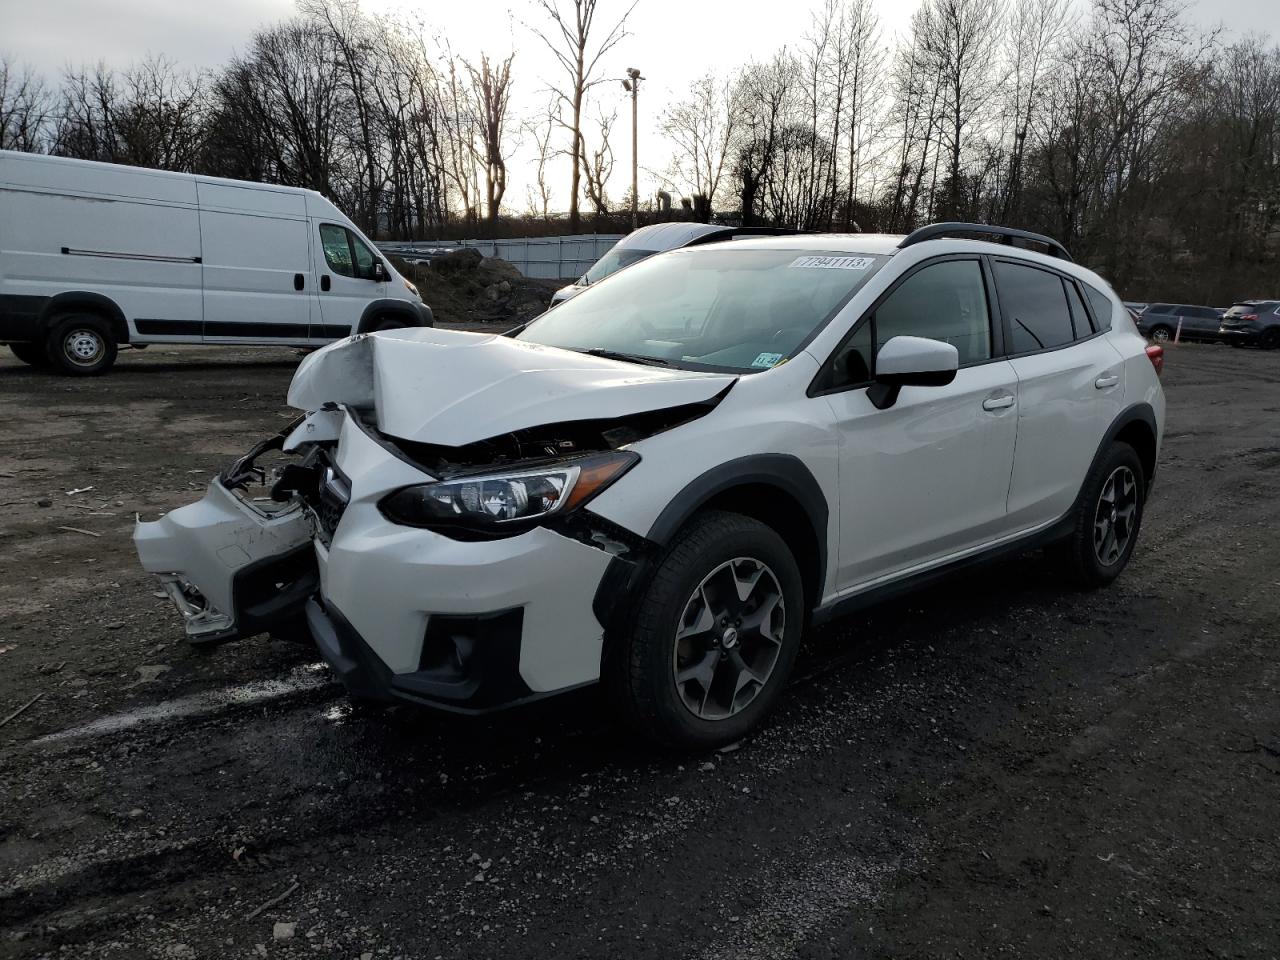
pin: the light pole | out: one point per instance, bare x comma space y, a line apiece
632, 85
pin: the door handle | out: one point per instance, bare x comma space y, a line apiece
998, 403
299, 281
1106, 380
324, 282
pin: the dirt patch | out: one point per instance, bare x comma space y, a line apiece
996, 767
465, 287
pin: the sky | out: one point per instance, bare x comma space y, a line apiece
673, 42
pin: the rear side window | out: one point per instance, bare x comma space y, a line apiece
1079, 315
1204, 313
1102, 307
1036, 307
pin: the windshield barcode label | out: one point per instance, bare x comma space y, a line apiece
832, 263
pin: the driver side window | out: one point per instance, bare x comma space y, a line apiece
943, 301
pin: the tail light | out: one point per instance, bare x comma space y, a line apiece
1155, 353
1248, 316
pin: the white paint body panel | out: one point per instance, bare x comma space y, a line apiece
454, 388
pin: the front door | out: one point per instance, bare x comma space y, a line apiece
346, 279
927, 478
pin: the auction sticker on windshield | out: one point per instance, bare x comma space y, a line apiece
766, 360
832, 263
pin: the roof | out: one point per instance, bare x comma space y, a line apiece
665, 236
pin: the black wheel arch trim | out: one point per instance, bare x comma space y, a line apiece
88, 302
1135, 413
413, 314
626, 575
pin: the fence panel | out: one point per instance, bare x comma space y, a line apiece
548, 258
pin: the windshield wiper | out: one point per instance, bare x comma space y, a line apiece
628, 357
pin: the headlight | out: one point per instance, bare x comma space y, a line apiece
502, 503
411, 288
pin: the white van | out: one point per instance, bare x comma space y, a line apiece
95, 255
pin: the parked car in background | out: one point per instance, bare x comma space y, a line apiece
1134, 307
1254, 323
660, 484
1162, 321
655, 238
94, 256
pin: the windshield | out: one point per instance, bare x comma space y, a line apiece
612, 262
714, 307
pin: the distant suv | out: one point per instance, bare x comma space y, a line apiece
1253, 323
659, 485
1161, 322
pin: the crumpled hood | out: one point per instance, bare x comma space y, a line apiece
453, 388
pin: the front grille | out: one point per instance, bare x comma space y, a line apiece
331, 501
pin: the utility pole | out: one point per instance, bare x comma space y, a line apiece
632, 86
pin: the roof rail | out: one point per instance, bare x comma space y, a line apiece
935, 230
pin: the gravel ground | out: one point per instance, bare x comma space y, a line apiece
998, 766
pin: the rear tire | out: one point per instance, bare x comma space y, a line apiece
81, 345
1270, 340
32, 354
1161, 334
691, 622
1108, 519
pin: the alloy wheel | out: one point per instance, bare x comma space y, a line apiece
1160, 335
1115, 519
83, 347
728, 639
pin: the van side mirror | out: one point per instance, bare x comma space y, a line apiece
379, 271
911, 362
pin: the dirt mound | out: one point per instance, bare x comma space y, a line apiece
464, 286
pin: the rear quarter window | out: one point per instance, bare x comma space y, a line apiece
1103, 307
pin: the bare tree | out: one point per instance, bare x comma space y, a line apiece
573, 38
702, 129
959, 41
598, 163
25, 108
541, 127
491, 93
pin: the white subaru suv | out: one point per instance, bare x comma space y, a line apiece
662, 482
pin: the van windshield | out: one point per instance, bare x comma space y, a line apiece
709, 308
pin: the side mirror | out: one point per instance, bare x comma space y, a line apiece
911, 362
379, 271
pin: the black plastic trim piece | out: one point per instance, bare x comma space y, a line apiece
88, 302
157, 327
20, 317
492, 683
117, 255
935, 231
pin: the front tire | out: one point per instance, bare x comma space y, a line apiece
714, 635
1107, 519
1161, 334
81, 345
32, 354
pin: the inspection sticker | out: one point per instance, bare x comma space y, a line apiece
832, 263
766, 360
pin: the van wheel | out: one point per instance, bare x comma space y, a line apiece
32, 354
1107, 519
81, 345
713, 636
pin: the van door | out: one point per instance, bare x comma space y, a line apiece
345, 264
256, 265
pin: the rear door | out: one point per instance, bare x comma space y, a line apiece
1070, 388
347, 283
256, 264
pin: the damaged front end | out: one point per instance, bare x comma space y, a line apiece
234, 563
